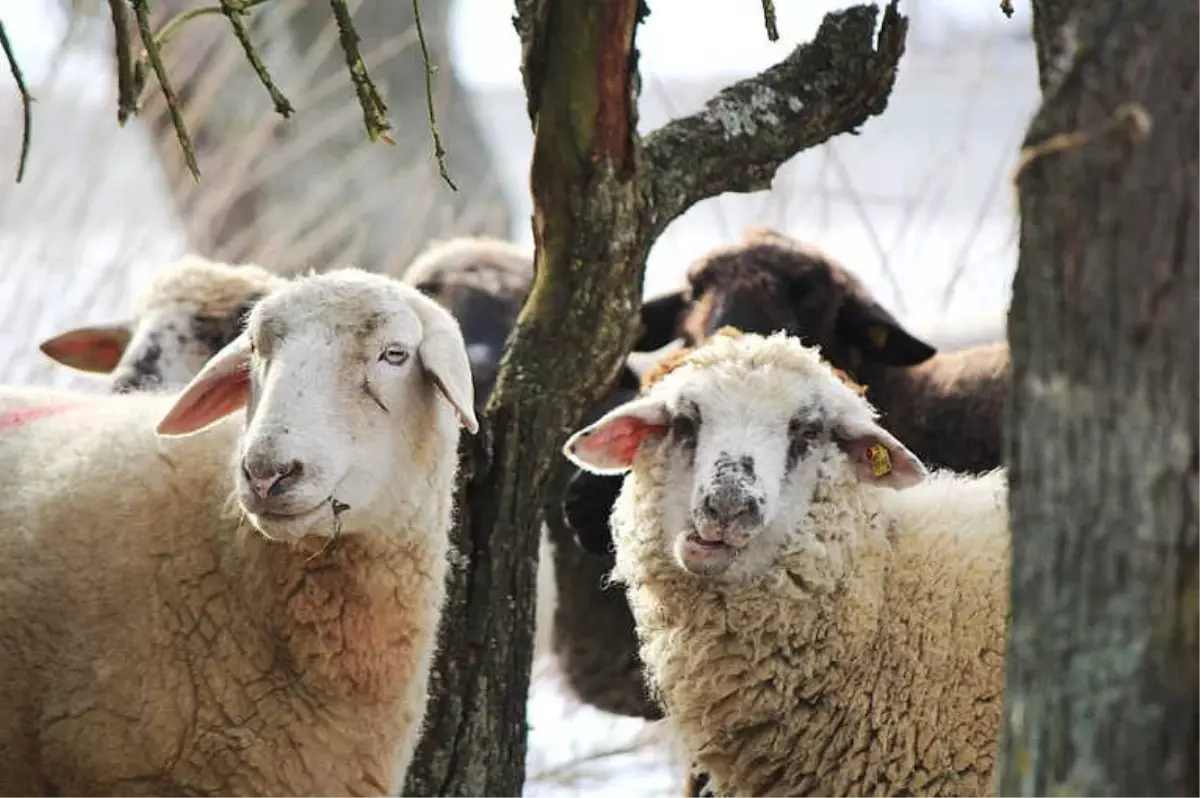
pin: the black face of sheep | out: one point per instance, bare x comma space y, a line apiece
769, 282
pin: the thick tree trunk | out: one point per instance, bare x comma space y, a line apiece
1103, 441
312, 190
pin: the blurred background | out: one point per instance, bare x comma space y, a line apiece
920, 205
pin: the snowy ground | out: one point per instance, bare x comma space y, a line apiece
920, 205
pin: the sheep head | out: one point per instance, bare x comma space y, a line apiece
347, 377
741, 432
188, 312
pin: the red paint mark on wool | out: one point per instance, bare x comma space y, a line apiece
17, 418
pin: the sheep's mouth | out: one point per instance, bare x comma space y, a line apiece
704, 556
693, 537
281, 516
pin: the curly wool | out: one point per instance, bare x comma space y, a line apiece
868, 660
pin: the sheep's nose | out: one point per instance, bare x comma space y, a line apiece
729, 505
269, 478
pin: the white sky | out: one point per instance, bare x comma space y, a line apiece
710, 37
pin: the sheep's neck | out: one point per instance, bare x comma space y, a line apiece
730, 704
342, 614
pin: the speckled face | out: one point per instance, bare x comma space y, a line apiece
738, 448
171, 344
737, 451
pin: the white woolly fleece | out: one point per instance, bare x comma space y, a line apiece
866, 655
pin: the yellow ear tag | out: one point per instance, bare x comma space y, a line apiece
880, 459
878, 335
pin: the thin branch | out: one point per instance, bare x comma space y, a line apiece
233, 11
26, 101
127, 94
142, 14
769, 19
439, 152
828, 86
172, 29
373, 107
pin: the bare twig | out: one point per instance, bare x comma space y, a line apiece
142, 14
26, 100
828, 86
233, 11
127, 89
373, 107
172, 28
439, 152
769, 19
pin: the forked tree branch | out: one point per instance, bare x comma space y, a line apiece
828, 86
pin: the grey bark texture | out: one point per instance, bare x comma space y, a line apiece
1053, 39
1102, 429
312, 191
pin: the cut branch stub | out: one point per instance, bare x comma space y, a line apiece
830, 85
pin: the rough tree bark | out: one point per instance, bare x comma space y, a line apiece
601, 198
1053, 39
339, 198
1102, 437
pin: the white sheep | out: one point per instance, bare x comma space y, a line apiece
190, 309
219, 610
819, 615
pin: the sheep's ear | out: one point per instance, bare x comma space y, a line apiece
866, 324
95, 349
609, 445
878, 457
660, 317
221, 388
444, 359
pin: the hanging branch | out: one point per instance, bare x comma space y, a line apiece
142, 14
127, 88
234, 11
439, 152
373, 107
26, 101
769, 19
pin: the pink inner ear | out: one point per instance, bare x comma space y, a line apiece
617, 442
86, 349
205, 404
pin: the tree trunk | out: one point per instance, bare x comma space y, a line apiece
601, 197
1102, 436
312, 190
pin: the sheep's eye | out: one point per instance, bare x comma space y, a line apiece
801, 434
683, 428
800, 430
395, 355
